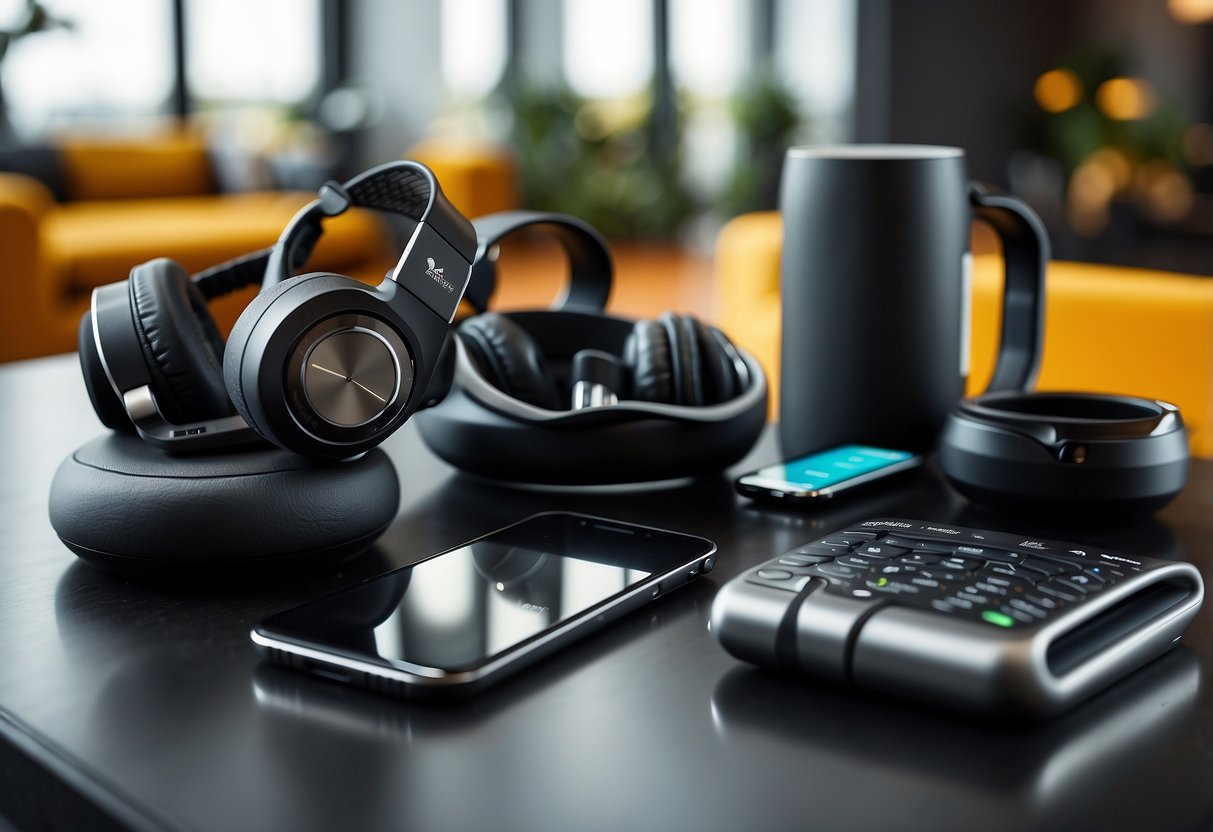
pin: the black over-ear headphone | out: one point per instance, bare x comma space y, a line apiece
320, 364
572, 396
1054, 453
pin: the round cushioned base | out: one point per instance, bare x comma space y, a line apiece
125, 506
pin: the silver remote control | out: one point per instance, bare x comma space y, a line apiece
986, 622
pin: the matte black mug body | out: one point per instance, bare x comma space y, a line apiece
875, 293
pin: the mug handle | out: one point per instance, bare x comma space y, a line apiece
1025, 247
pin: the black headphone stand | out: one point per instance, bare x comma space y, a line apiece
127, 507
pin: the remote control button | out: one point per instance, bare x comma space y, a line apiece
960, 563
997, 618
1014, 584
838, 570
920, 559
861, 535
843, 540
895, 568
818, 549
962, 602
1019, 615
856, 560
988, 588
891, 586
1043, 601
1053, 590
1084, 588
1105, 574
942, 605
926, 581
880, 550
976, 597
986, 553
1108, 573
1049, 567
937, 546
1083, 581
797, 559
768, 574
1030, 609
1012, 570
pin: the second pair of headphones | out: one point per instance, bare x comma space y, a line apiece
573, 396
320, 364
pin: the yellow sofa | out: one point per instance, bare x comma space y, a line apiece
130, 200
1107, 329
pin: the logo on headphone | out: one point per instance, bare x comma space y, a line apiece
435, 272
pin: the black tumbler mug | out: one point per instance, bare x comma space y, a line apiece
875, 293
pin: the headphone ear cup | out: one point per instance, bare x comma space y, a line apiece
510, 359
678, 359
719, 371
181, 342
233, 354
686, 361
647, 354
106, 403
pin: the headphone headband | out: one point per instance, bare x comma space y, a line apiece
404, 187
589, 256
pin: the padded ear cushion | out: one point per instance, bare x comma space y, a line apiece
106, 403
720, 371
647, 354
685, 358
509, 359
181, 342
238, 337
678, 359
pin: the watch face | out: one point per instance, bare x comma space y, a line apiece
355, 375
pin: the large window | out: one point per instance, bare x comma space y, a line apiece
608, 47
473, 46
253, 51
106, 61
113, 62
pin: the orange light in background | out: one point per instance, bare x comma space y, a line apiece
1115, 164
1198, 144
1089, 198
1058, 90
1125, 99
1167, 193
1191, 11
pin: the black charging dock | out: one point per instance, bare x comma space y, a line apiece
127, 507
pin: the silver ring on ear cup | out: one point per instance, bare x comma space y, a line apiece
353, 370
310, 329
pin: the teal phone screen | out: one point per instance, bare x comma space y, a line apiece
833, 466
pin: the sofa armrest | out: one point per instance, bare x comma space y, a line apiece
25, 285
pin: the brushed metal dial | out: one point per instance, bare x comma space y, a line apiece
351, 376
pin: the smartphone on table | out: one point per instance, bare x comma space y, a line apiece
824, 475
463, 618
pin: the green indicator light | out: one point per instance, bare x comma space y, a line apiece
882, 582
997, 618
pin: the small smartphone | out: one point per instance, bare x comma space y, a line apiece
825, 474
463, 618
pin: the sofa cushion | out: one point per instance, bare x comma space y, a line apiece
171, 164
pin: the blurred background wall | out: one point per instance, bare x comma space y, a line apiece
657, 119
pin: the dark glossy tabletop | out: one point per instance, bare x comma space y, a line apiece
145, 704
